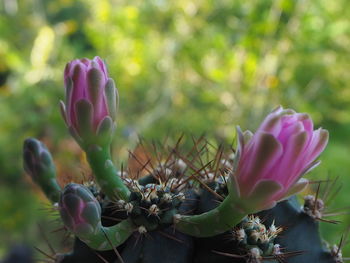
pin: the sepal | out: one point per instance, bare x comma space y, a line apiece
112, 98
262, 196
63, 112
105, 131
84, 113
95, 85
239, 150
296, 188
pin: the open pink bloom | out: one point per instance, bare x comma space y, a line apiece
91, 97
273, 160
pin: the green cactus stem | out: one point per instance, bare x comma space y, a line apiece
213, 222
105, 172
38, 163
229, 213
106, 238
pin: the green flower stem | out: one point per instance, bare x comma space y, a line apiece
51, 189
231, 211
106, 238
213, 222
106, 174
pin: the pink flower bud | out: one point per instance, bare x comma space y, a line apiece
91, 98
283, 149
79, 210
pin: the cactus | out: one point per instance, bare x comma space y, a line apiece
201, 206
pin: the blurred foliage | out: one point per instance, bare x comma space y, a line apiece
181, 66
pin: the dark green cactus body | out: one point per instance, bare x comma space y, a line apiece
82, 253
153, 206
158, 247
301, 232
164, 244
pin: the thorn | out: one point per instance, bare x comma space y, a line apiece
114, 249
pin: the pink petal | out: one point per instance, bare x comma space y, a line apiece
307, 122
297, 187
286, 168
85, 61
311, 152
316, 146
263, 156
272, 124
262, 195
96, 91
288, 131
78, 89
102, 65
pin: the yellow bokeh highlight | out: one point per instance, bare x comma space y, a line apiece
133, 67
103, 10
131, 12
42, 47
272, 82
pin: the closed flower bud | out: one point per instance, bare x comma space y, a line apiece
91, 101
79, 210
38, 163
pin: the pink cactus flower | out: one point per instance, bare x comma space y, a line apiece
271, 162
91, 97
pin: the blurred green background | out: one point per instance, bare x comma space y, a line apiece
188, 66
